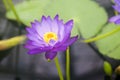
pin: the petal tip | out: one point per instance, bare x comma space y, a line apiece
43, 17
115, 19
70, 22
56, 17
50, 55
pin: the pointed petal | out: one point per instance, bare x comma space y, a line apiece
117, 8
36, 40
56, 17
43, 18
54, 26
70, 41
29, 45
32, 37
50, 55
38, 50
68, 28
33, 45
61, 31
49, 20
115, 19
30, 30
63, 46
69, 25
117, 2
43, 27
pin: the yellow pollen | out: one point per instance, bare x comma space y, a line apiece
50, 35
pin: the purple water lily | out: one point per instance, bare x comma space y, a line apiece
117, 5
116, 19
49, 36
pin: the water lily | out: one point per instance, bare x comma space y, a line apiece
49, 36
117, 5
116, 19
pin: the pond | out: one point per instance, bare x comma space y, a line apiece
59, 40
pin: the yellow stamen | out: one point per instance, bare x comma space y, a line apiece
50, 35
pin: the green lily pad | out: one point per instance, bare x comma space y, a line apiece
86, 13
28, 11
110, 46
88, 16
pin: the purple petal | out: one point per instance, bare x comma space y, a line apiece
115, 19
29, 45
43, 28
49, 20
63, 46
32, 35
33, 45
38, 50
54, 26
61, 31
50, 55
36, 40
43, 18
60, 48
35, 23
117, 2
69, 24
33, 38
68, 28
70, 41
52, 42
64, 30
117, 8
56, 17
30, 30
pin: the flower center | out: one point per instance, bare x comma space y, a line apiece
50, 36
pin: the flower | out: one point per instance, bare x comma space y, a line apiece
117, 6
49, 36
116, 19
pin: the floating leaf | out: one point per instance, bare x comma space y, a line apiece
110, 46
86, 13
6, 44
28, 11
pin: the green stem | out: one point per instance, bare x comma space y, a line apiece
68, 64
6, 5
102, 36
14, 11
58, 68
